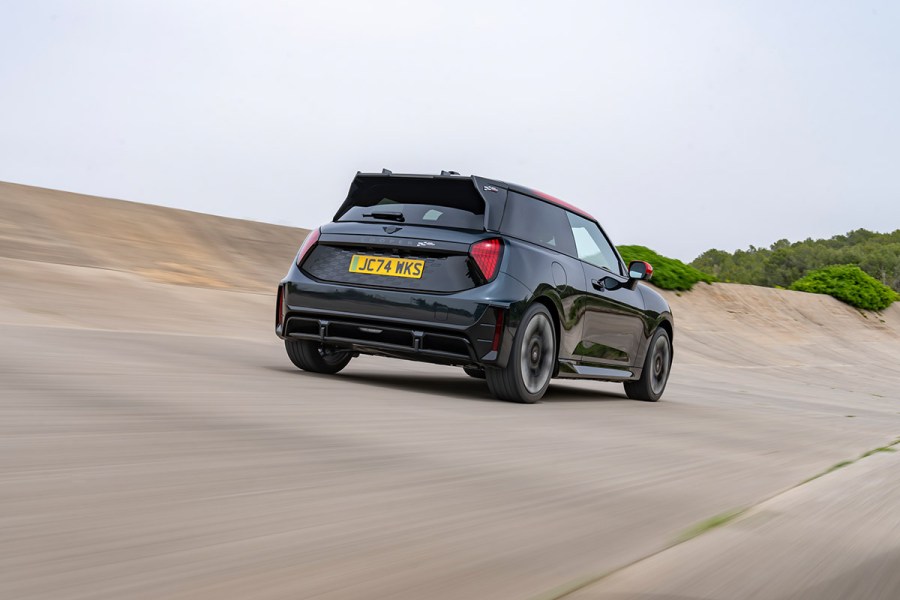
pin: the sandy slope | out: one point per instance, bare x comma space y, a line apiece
157, 243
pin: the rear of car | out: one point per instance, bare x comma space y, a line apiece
407, 268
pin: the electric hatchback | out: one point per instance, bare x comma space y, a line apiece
513, 285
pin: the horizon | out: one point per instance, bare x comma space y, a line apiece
625, 243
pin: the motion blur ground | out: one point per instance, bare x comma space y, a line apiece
157, 443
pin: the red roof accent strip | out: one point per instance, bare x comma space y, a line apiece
563, 204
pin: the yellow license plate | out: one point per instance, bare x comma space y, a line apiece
385, 265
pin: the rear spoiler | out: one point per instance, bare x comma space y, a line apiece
492, 192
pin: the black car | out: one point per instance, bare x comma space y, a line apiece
513, 285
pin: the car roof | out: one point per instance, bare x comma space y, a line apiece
519, 189
551, 199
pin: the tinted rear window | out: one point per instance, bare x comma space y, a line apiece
453, 203
538, 222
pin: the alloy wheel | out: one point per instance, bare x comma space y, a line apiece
537, 353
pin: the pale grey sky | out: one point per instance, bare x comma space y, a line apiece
681, 125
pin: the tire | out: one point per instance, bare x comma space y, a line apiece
474, 372
532, 359
315, 357
655, 374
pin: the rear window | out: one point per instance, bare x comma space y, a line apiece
453, 203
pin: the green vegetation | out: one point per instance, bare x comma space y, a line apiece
850, 284
784, 263
892, 447
711, 523
668, 273
877, 450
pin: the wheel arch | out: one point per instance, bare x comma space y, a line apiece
553, 308
667, 325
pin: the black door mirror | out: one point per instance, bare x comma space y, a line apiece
639, 269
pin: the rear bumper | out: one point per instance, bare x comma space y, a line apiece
455, 329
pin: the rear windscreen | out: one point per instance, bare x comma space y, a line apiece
453, 203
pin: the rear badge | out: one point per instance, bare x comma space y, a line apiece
392, 229
420, 244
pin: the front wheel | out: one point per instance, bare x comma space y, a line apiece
527, 375
315, 357
655, 374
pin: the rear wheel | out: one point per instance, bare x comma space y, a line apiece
655, 374
527, 375
315, 357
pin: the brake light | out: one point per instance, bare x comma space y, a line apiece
486, 255
307, 245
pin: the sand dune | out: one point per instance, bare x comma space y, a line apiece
160, 244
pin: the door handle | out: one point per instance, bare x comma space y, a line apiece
598, 285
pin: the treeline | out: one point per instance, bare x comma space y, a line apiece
784, 263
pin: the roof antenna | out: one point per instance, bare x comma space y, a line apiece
386, 172
443, 173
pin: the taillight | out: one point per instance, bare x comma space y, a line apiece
307, 245
486, 255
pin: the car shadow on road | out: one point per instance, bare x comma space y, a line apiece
455, 386
559, 393
451, 386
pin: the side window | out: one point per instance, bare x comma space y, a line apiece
591, 245
538, 222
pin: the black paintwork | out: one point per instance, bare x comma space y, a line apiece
604, 321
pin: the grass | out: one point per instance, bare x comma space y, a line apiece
846, 463
709, 524
877, 450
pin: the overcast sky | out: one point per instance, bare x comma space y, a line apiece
679, 125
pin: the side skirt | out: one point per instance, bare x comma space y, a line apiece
573, 370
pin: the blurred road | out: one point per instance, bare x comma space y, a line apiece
146, 464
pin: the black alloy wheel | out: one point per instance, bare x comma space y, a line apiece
655, 374
527, 375
315, 357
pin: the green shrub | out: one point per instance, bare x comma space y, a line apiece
668, 273
850, 284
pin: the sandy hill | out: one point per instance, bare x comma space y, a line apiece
161, 244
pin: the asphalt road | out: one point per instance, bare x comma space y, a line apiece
155, 442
